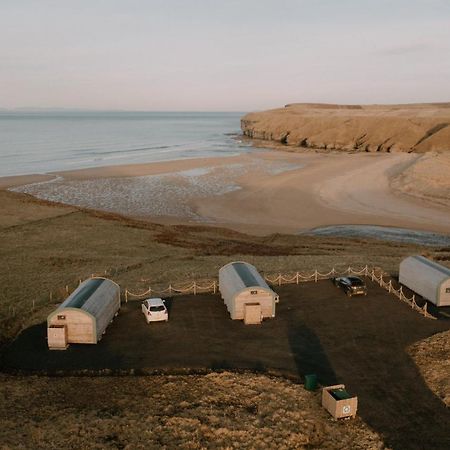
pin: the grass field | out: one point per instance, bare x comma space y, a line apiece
188, 412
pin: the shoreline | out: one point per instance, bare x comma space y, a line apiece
261, 192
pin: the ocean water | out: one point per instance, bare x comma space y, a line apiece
41, 142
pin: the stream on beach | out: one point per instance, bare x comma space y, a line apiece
393, 234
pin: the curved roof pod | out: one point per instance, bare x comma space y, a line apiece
98, 299
240, 284
427, 278
246, 275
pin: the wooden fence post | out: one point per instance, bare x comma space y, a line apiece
315, 275
170, 289
126, 295
279, 279
214, 287
195, 288
296, 277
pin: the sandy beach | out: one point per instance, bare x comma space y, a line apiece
261, 192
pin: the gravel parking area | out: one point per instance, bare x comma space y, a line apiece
360, 341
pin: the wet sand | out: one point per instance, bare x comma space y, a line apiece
259, 193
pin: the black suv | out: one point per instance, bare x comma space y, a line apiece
351, 285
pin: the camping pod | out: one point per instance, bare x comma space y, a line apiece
83, 317
242, 289
426, 278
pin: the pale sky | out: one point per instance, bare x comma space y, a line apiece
224, 55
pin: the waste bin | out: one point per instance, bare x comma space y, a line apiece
311, 382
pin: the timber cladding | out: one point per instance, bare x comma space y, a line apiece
252, 314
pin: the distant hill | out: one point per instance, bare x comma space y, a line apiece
417, 127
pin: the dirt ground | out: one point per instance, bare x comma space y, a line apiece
360, 342
432, 356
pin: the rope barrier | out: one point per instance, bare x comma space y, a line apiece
192, 288
375, 274
387, 285
400, 295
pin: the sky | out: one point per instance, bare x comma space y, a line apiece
221, 55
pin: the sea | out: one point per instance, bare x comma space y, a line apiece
50, 141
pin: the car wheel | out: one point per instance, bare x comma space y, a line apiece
349, 294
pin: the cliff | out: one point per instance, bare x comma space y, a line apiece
371, 128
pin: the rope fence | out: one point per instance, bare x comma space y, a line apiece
193, 288
376, 274
315, 276
389, 286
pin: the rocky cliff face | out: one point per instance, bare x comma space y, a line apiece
371, 128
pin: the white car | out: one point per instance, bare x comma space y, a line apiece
155, 310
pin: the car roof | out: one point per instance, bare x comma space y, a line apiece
155, 301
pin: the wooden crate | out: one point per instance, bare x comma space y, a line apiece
338, 408
57, 337
252, 314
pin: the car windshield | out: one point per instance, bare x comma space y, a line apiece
356, 282
157, 308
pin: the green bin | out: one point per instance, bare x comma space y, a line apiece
311, 382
